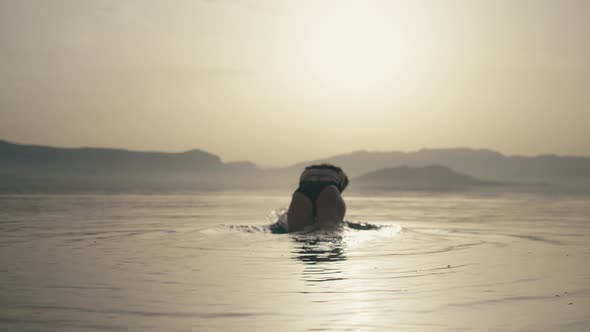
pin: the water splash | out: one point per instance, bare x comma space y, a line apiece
278, 218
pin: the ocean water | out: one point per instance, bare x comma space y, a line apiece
209, 262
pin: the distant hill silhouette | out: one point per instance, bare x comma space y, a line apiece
435, 178
49, 159
40, 168
568, 172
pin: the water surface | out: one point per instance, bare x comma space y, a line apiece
208, 262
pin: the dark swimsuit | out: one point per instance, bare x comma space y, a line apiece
312, 190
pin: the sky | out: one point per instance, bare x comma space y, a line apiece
277, 81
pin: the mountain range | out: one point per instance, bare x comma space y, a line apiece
32, 168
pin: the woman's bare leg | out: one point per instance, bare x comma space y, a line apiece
330, 207
300, 212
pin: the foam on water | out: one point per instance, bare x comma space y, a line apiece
278, 219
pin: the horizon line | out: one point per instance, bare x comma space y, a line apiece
548, 154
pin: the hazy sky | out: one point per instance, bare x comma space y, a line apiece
281, 81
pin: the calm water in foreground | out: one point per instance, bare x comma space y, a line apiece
207, 262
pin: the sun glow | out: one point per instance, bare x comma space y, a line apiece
352, 50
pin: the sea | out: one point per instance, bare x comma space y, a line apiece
213, 262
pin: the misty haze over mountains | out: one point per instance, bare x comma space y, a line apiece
31, 168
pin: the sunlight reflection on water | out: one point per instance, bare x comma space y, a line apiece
211, 263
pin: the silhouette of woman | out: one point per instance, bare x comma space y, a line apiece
318, 199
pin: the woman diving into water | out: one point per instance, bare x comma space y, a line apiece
318, 199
